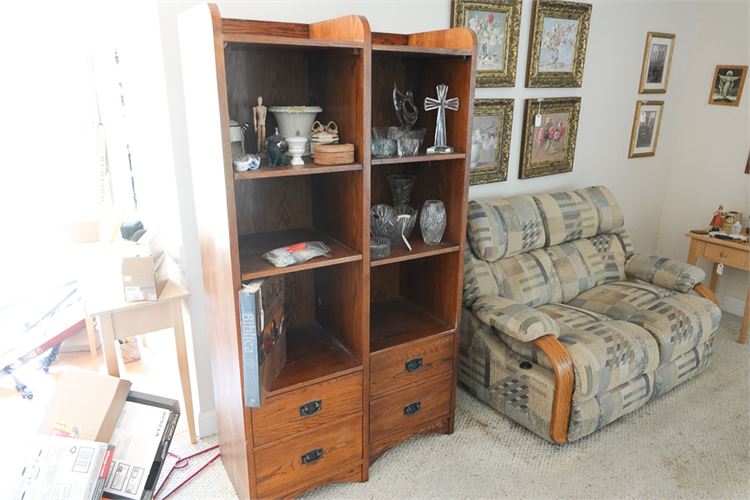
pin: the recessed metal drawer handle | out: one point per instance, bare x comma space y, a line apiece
412, 409
312, 457
413, 364
311, 408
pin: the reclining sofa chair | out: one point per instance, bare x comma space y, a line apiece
564, 328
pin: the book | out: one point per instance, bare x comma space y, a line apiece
263, 336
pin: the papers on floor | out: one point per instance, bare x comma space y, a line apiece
136, 438
64, 468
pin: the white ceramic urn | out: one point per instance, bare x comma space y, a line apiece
296, 121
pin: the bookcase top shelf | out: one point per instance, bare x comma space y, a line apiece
419, 158
265, 172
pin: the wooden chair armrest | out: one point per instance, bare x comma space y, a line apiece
562, 367
705, 292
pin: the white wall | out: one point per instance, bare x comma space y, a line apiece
649, 189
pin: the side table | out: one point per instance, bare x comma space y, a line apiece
730, 253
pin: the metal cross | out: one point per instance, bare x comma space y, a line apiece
441, 104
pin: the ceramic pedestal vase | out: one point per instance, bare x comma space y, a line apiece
432, 221
296, 121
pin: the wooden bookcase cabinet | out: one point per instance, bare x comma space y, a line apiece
372, 346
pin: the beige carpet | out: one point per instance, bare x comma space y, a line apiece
692, 443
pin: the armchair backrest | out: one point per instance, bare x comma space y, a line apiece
545, 248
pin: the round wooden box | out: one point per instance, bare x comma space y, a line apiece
334, 154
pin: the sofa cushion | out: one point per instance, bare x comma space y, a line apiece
502, 227
567, 216
516, 320
529, 278
609, 211
678, 322
667, 273
605, 353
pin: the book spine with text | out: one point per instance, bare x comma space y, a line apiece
249, 333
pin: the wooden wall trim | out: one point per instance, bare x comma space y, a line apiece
562, 367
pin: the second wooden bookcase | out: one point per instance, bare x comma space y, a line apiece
372, 344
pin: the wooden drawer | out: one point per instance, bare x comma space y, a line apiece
409, 407
312, 456
410, 363
307, 408
732, 257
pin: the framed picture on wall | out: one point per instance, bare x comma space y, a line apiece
549, 136
727, 84
657, 60
557, 49
646, 125
497, 24
490, 140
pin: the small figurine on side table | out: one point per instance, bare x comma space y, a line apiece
717, 221
259, 123
273, 150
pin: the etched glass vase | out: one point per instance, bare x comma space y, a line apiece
432, 221
401, 186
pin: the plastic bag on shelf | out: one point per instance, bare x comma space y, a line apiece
297, 253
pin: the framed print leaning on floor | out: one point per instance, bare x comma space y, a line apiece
657, 61
490, 140
646, 125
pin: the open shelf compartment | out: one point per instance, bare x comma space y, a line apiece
323, 329
411, 300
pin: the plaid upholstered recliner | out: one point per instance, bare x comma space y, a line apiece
564, 328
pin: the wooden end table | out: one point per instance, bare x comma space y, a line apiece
730, 253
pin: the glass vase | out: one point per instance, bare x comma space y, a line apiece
401, 187
432, 221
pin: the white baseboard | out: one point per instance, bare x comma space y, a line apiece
207, 425
732, 305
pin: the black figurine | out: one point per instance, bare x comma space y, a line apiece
273, 150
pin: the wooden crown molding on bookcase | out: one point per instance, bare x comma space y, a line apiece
361, 333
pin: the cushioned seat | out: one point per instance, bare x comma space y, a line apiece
678, 321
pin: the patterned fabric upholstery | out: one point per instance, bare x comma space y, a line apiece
528, 278
605, 353
678, 322
504, 227
567, 216
513, 319
523, 389
607, 207
478, 279
666, 273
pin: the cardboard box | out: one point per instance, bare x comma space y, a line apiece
144, 272
85, 405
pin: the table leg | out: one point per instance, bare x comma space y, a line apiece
714, 277
90, 333
182, 363
745, 319
108, 344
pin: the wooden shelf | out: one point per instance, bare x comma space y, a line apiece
419, 250
253, 246
419, 158
397, 321
416, 50
256, 41
310, 168
312, 356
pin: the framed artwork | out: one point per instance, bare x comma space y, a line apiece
557, 50
497, 24
490, 140
657, 60
726, 87
549, 136
646, 124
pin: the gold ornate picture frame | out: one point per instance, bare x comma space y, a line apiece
492, 126
557, 48
549, 136
657, 62
646, 126
497, 24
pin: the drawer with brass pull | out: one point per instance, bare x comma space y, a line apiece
410, 363
728, 256
311, 456
306, 408
409, 407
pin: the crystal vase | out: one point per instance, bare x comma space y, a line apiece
432, 221
401, 187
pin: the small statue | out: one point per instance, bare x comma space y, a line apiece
406, 111
273, 150
717, 221
259, 123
